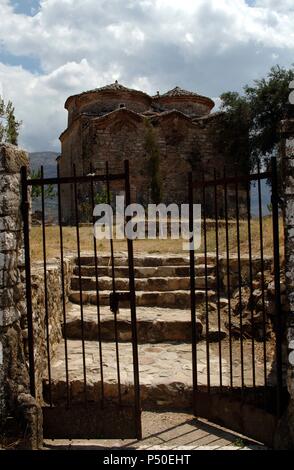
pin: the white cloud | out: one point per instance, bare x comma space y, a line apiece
39, 99
207, 45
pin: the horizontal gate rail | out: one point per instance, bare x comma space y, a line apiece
233, 179
74, 179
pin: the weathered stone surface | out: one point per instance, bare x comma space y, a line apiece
117, 126
8, 242
15, 400
153, 324
9, 316
165, 372
55, 315
12, 159
285, 432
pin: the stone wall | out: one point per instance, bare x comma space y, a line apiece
285, 432
183, 145
16, 401
285, 436
55, 315
20, 412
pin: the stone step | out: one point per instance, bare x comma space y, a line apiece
145, 271
165, 372
146, 260
150, 284
171, 299
154, 325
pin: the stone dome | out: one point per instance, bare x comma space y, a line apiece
188, 102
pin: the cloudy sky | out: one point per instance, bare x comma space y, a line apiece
50, 49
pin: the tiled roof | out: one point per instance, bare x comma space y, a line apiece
112, 87
177, 91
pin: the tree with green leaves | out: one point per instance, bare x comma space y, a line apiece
9, 126
251, 120
49, 192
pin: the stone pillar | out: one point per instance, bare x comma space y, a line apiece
285, 434
21, 418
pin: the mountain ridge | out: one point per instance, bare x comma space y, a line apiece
47, 159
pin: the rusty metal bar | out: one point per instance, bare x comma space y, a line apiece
277, 280
72, 179
63, 286
251, 281
239, 278
228, 277
26, 234
80, 281
218, 281
234, 179
206, 288
133, 311
192, 290
262, 277
45, 286
97, 297
113, 289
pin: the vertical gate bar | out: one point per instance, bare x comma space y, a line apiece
262, 274
97, 297
228, 276
206, 288
26, 236
250, 280
80, 281
133, 311
239, 276
63, 284
45, 285
192, 290
218, 281
277, 275
113, 289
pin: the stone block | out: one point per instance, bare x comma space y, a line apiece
8, 241
12, 158
8, 316
9, 203
10, 182
7, 260
6, 298
9, 278
10, 224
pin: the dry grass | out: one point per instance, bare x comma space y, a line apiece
153, 246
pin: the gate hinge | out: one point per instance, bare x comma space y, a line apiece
280, 200
115, 298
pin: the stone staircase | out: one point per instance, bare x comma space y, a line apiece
164, 334
161, 281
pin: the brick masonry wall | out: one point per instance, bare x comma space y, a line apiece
184, 145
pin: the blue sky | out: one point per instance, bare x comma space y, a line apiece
29, 7
50, 49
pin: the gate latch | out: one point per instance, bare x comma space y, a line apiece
115, 298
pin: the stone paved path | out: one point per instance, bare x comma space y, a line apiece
165, 370
167, 430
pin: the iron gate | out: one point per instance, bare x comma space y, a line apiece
93, 414
243, 388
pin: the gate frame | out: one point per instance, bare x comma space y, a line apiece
26, 185
218, 407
